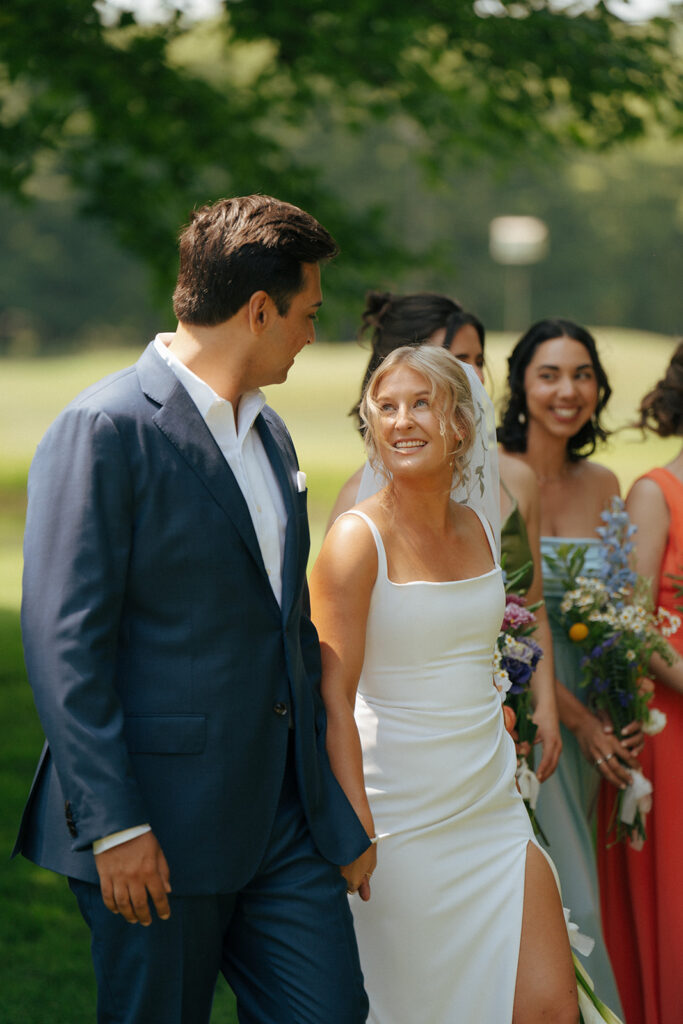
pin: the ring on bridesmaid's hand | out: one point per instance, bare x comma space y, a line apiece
600, 761
609, 755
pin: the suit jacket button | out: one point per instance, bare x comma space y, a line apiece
280, 709
70, 823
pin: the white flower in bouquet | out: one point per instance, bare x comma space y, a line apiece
655, 723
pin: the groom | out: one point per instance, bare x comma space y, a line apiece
184, 787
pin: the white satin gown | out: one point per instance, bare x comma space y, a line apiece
439, 938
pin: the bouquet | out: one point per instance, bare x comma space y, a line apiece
608, 614
515, 659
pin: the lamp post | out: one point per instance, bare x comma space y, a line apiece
516, 243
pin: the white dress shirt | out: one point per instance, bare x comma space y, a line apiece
243, 450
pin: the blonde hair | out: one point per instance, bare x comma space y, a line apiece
450, 397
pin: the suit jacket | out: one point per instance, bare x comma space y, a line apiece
165, 673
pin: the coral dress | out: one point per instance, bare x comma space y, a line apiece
439, 939
642, 891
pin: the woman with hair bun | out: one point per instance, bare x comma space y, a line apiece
557, 390
641, 892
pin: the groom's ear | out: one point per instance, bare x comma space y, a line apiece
260, 310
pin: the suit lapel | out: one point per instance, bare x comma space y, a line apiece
180, 422
277, 443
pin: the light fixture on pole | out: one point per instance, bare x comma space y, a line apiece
517, 242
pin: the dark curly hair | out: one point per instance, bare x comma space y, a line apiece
662, 408
512, 432
398, 320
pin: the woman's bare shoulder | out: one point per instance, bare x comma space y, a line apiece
520, 480
645, 495
516, 473
348, 552
514, 467
599, 477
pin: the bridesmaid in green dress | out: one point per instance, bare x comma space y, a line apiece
551, 423
425, 318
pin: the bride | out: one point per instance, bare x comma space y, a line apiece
462, 921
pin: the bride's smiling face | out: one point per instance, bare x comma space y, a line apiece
409, 433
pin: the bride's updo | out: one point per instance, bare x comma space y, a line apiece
450, 396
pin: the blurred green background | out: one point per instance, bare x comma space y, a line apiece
45, 974
405, 128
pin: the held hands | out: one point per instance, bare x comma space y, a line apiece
131, 873
359, 872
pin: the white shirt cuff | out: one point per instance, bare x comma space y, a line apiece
116, 838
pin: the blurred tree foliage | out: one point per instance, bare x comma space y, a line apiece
136, 124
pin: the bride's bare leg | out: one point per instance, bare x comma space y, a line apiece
546, 988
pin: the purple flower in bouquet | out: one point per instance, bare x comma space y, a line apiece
515, 659
517, 616
520, 656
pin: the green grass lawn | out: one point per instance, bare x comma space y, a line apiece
45, 974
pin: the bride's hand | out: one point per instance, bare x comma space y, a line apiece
358, 873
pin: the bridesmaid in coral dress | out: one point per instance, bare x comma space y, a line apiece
641, 891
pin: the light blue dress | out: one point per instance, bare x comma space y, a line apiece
566, 806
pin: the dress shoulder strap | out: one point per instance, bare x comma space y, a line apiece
672, 489
513, 500
669, 484
381, 553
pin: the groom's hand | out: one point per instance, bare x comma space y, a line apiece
130, 874
359, 873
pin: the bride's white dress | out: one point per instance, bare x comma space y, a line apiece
439, 938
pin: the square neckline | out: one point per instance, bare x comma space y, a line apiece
382, 555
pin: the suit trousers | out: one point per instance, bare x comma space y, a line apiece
285, 943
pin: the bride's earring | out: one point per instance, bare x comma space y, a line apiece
521, 418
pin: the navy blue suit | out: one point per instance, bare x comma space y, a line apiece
172, 687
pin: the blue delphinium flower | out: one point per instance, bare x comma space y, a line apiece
616, 548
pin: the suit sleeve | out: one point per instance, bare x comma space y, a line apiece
76, 551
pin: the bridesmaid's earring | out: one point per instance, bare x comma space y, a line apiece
521, 418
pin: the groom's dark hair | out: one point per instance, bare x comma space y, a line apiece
235, 247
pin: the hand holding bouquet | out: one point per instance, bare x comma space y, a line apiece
608, 614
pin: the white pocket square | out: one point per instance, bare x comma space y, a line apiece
300, 481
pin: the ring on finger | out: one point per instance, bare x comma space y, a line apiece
599, 761
608, 756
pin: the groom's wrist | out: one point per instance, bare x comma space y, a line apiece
116, 838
